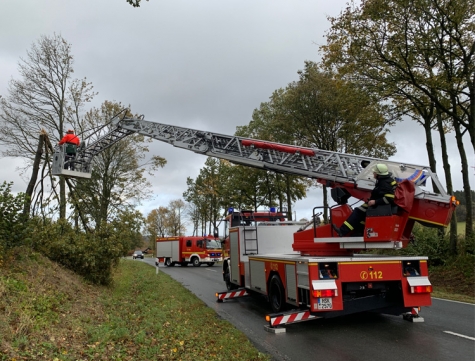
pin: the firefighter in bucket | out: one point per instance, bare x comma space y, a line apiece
71, 143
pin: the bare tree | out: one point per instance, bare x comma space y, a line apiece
46, 97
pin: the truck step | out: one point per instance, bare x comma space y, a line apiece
225, 295
285, 318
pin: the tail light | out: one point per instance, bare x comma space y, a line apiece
421, 289
325, 293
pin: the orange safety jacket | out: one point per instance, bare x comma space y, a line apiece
70, 138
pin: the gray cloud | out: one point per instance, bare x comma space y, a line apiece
200, 64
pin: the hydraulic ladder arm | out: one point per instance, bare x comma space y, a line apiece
335, 169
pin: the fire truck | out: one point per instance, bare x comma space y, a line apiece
308, 271
191, 249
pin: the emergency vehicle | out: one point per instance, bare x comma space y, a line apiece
307, 271
191, 249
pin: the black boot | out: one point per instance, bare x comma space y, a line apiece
337, 230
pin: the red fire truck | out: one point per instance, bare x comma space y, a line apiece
308, 271
190, 249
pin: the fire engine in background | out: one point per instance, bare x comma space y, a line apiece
185, 250
308, 268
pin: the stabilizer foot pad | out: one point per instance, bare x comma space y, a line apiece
275, 329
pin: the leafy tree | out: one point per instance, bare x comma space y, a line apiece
46, 98
324, 112
156, 223
207, 195
407, 49
175, 224
328, 113
196, 206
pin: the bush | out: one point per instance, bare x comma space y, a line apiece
427, 242
14, 228
93, 256
431, 243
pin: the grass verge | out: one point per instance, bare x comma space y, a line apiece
455, 280
48, 313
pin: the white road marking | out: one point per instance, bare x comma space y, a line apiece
443, 299
459, 335
211, 270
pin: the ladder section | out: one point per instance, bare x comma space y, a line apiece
307, 162
249, 231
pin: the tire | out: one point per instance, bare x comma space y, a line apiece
276, 294
195, 262
227, 279
168, 262
211, 264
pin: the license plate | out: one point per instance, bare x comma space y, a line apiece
325, 303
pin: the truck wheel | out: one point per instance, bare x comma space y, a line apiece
211, 264
195, 262
168, 262
227, 279
276, 294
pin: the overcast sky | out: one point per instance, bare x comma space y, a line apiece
200, 64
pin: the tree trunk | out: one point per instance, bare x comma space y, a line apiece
289, 198
34, 175
325, 205
466, 182
448, 180
430, 148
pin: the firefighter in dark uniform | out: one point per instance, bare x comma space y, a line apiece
383, 193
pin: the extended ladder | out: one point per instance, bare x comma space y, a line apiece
282, 158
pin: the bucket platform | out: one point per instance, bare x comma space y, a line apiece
76, 167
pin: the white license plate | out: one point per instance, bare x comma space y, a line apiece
325, 303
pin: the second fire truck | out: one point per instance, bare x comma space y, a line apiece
186, 250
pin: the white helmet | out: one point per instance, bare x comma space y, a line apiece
380, 169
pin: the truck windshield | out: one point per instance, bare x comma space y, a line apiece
212, 244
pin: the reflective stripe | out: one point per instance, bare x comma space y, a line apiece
389, 195
385, 200
363, 207
348, 225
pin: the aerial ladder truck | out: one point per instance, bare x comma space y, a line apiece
308, 271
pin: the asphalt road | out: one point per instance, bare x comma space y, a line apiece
448, 332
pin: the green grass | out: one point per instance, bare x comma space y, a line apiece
48, 313
455, 280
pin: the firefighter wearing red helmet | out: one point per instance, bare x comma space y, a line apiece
383, 193
71, 142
